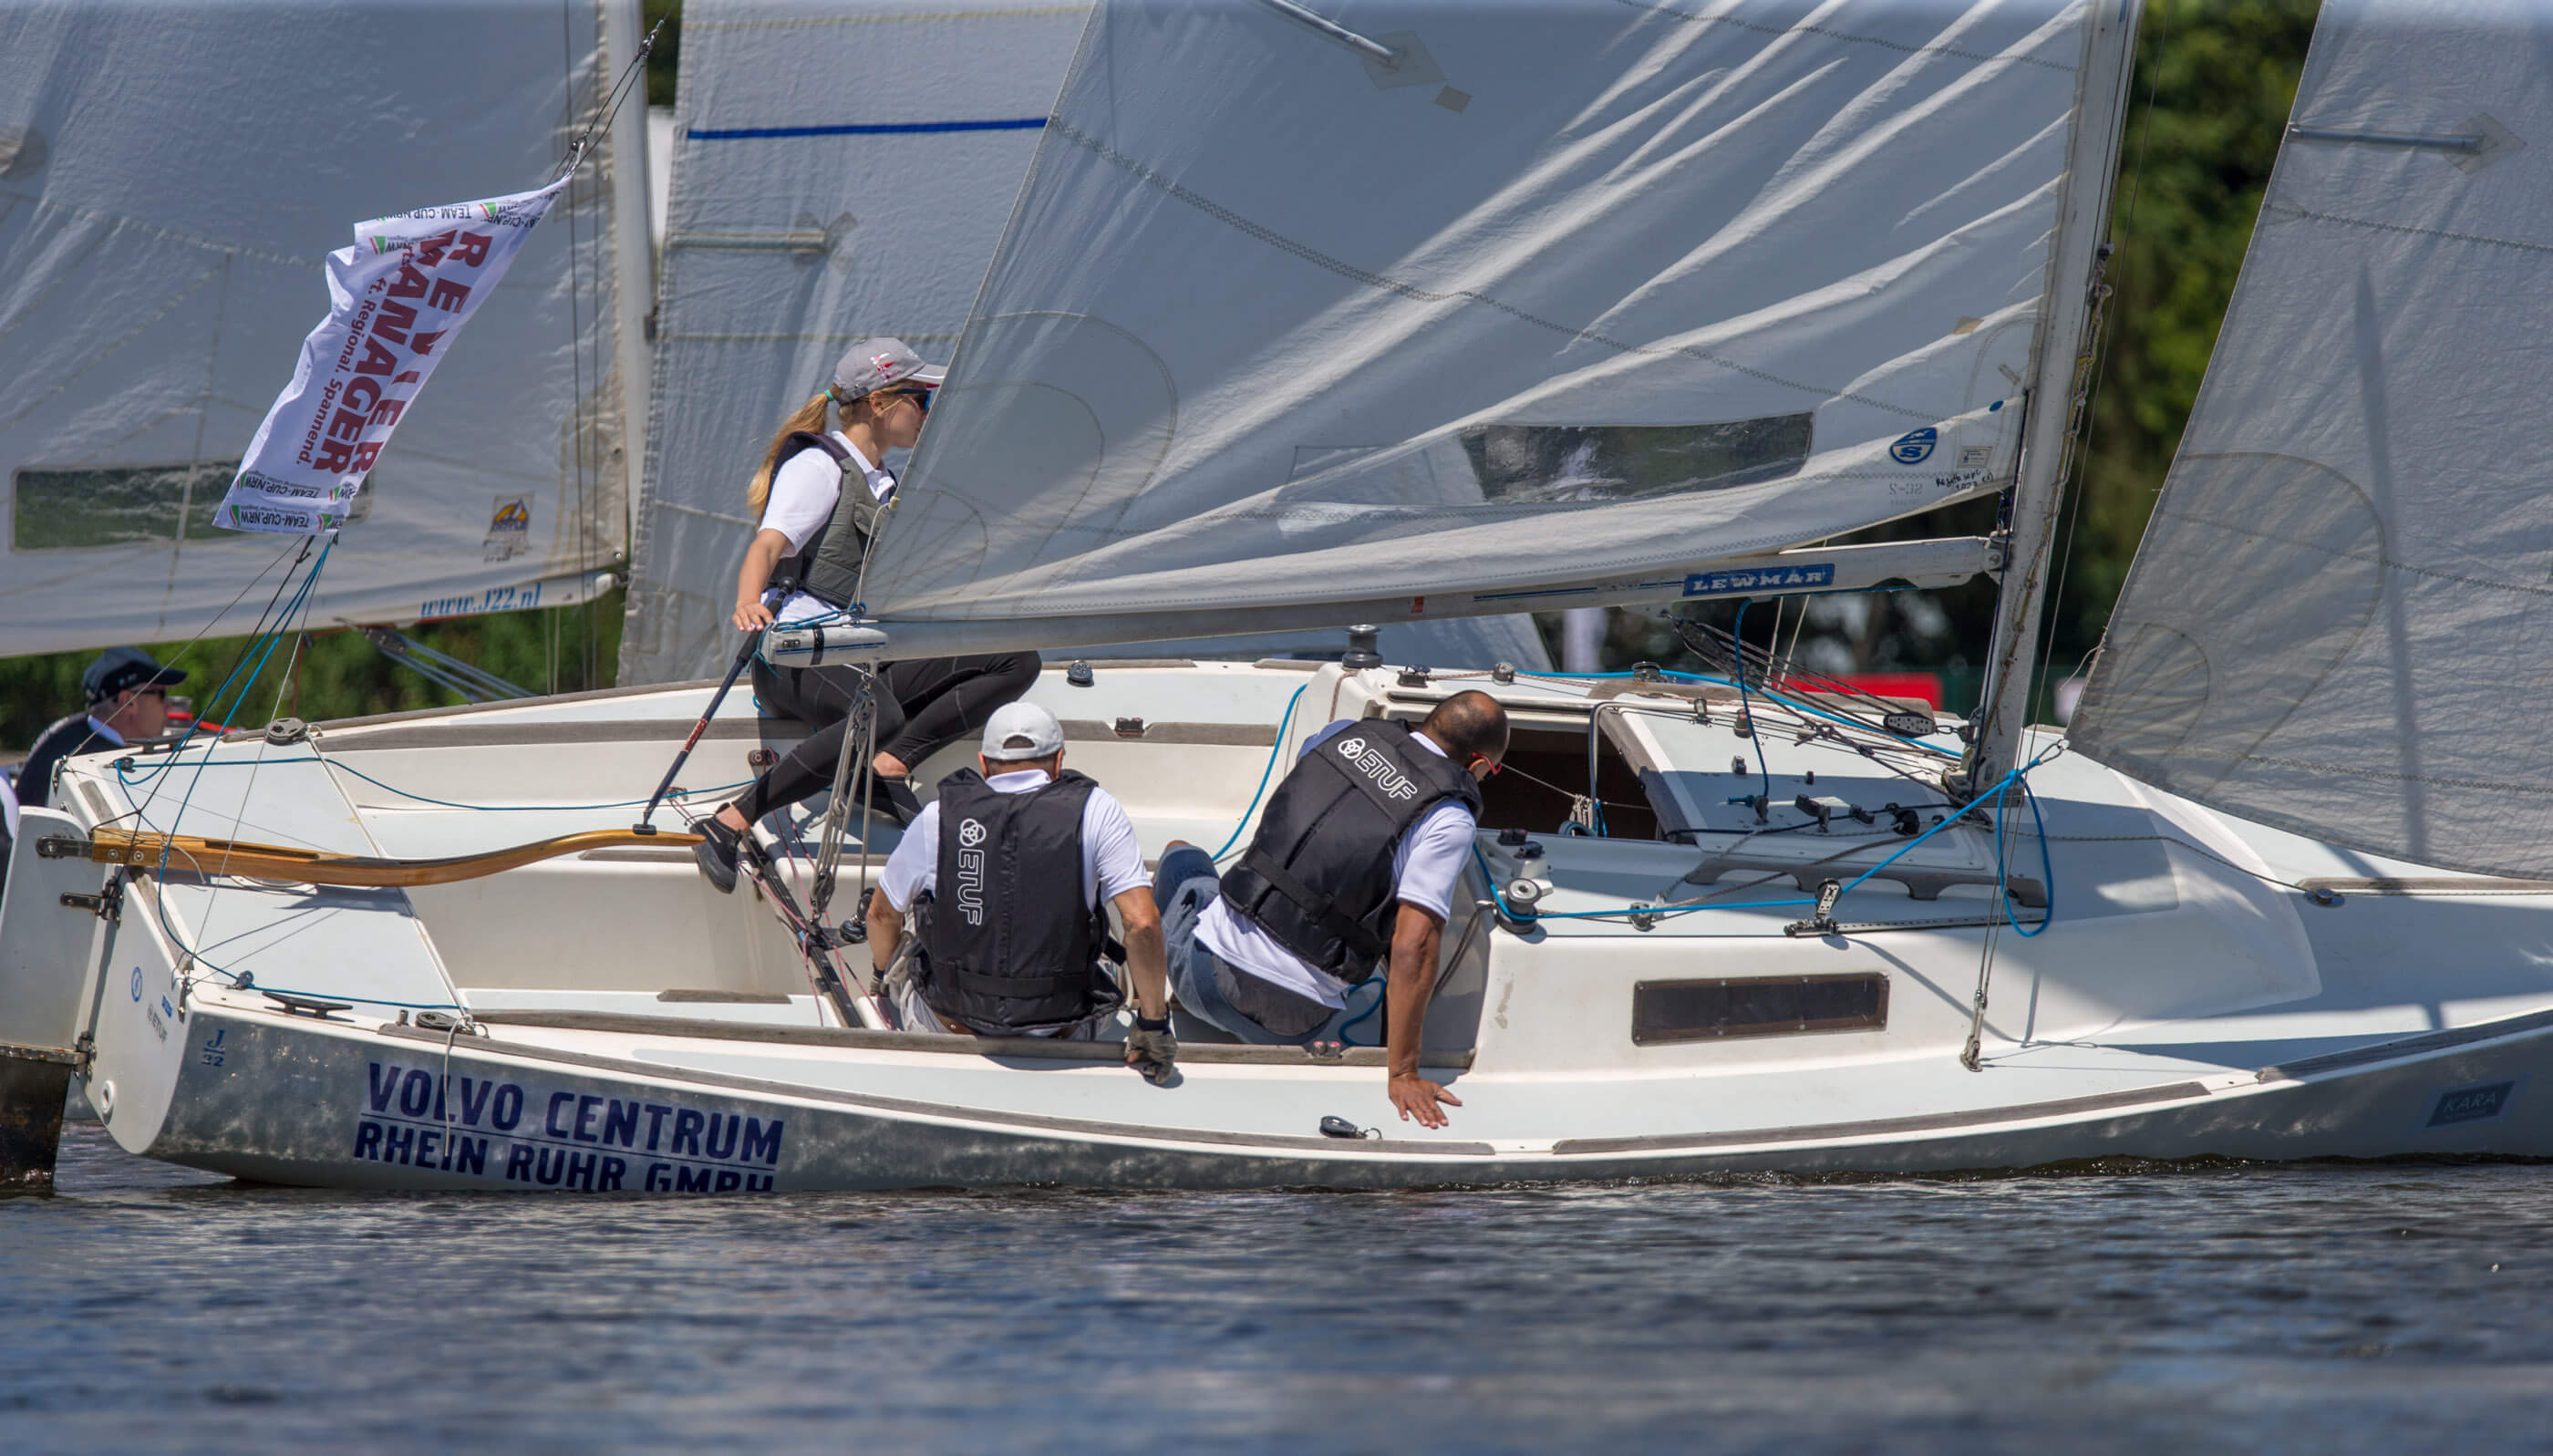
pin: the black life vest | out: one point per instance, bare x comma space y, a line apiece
1010, 944
828, 567
1318, 875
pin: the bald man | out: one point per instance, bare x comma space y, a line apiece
1353, 870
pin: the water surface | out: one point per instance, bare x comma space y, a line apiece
2382, 1307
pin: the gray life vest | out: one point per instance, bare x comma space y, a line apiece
828, 567
1010, 944
1318, 875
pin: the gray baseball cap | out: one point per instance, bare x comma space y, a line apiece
1019, 731
873, 363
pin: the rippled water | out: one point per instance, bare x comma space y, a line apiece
2360, 1308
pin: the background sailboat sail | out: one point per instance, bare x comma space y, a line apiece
1566, 296
2338, 621
842, 171
162, 238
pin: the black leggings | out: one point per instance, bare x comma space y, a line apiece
929, 704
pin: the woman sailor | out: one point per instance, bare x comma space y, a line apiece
804, 562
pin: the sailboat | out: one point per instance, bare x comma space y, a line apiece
1298, 313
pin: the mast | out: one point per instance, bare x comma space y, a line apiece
633, 257
2109, 57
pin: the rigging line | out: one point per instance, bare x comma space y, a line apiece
189, 956
212, 702
339, 765
239, 816
1566, 793
619, 95
300, 602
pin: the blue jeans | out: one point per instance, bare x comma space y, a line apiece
1184, 883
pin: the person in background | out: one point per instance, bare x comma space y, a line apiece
127, 701
1353, 868
1010, 944
819, 497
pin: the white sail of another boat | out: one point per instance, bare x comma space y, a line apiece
161, 258
842, 171
2338, 621
1557, 297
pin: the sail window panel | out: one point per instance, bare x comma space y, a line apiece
1731, 1007
85, 507
94, 507
1534, 465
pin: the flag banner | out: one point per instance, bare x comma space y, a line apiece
395, 298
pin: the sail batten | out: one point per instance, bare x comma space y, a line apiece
1267, 332
2336, 623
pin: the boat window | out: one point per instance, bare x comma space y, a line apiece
1537, 463
1756, 1006
111, 505
1546, 772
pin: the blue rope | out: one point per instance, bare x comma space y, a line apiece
1670, 912
1264, 776
212, 702
2046, 867
1380, 982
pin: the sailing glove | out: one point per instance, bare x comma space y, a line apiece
1151, 1049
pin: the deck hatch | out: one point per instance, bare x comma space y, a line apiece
1757, 1006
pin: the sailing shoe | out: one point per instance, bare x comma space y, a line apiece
716, 854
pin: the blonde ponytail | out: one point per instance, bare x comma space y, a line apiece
808, 418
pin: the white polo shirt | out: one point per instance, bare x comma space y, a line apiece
804, 491
1424, 867
1111, 858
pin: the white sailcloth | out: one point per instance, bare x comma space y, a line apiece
171, 181
1563, 296
843, 170
2338, 621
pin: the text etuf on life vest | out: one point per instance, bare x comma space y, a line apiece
396, 298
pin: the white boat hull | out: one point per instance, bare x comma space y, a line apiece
391, 1108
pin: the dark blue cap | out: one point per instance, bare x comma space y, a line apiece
119, 668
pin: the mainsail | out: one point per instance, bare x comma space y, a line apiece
1555, 301
843, 170
2338, 621
172, 180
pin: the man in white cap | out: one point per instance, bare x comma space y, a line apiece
1010, 944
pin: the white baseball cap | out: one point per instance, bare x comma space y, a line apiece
1020, 730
